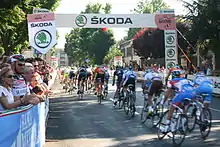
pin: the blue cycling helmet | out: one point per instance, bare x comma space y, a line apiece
130, 67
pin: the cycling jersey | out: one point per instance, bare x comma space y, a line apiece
204, 85
100, 74
82, 73
20, 87
177, 83
106, 74
119, 74
129, 74
201, 78
71, 75
129, 78
99, 70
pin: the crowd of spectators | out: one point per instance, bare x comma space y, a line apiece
23, 81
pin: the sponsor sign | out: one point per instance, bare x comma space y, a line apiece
162, 21
42, 31
118, 61
40, 10
166, 21
170, 48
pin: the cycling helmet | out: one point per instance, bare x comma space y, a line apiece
17, 57
130, 67
148, 70
177, 66
176, 73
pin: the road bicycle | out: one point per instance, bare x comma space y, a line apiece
178, 126
129, 101
198, 114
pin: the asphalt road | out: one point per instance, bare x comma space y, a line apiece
85, 123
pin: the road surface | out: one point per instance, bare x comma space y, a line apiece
85, 123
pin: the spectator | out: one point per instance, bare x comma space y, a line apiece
4, 59
6, 96
28, 75
20, 87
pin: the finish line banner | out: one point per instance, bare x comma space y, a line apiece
161, 21
23, 127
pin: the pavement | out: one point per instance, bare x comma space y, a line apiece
85, 123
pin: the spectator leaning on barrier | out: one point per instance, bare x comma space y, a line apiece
7, 100
28, 75
20, 87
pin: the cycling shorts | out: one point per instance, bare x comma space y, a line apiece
82, 76
155, 87
180, 97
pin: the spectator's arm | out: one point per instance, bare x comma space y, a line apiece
6, 105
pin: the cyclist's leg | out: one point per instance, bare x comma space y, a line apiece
99, 86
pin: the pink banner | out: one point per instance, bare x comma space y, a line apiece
40, 17
165, 21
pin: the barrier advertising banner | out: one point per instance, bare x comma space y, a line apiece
23, 127
42, 31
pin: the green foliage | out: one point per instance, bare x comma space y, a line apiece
204, 16
146, 6
109, 57
13, 26
87, 43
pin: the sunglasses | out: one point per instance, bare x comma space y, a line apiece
20, 64
10, 76
36, 65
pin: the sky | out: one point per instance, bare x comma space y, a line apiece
118, 7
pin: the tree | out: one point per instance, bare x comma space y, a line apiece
151, 43
204, 17
87, 43
13, 26
146, 6
113, 52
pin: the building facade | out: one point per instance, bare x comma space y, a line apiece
129, 54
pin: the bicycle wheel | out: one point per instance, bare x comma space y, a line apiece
191, 114
99, 98
161, 125
144, 113
157, 114
131, 105
205, 123
181, 128
126, 105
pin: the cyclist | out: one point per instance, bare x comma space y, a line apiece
99, 79
128, 78
82, 76
153, 81
176, 73
173, 72
185, 91
119, 73
72, 76
89, 76
204, 85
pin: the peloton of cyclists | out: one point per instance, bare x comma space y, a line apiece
188, 90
